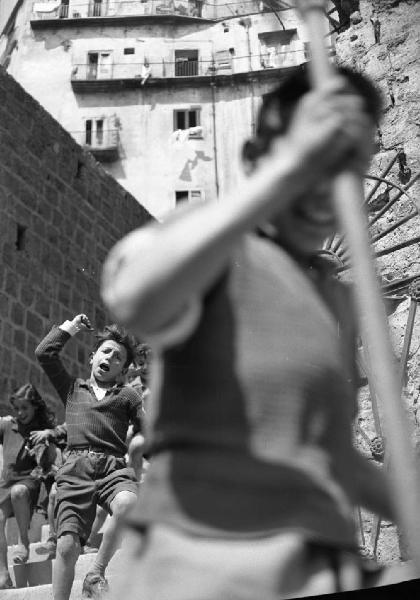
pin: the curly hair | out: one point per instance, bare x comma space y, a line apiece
44, 415
278, 106
119, 335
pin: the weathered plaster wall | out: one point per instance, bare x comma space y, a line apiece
150, 166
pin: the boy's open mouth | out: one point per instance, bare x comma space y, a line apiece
104, 367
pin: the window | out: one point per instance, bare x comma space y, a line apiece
181, 196
276, 50
186, 63
63, 10
99, 65
95, 8
223, 59
99, 132
94, 132
88, 132
196, 195
192, 196
20, 237
129, 50
186, 119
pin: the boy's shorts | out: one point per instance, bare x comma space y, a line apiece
85, 480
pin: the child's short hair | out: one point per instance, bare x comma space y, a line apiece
284, 98
119, 335
44, 415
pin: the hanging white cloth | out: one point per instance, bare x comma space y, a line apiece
179, 137
46, 6
145, 73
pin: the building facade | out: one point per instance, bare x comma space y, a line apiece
163, 92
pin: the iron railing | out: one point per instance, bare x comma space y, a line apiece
161, 68
120, 8
97, 140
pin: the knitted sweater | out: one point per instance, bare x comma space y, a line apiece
100, 424
252, 425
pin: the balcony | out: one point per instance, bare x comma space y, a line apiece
104, 144
117, 12
182, 73
53, 13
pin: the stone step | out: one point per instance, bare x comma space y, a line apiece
36, 553
39, 573
42, 592
38, 526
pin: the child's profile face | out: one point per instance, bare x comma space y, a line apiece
108, 361
24, 410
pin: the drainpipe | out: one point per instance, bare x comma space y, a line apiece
216, 169
251, 85
246, 24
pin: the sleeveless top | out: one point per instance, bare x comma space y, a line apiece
253, 411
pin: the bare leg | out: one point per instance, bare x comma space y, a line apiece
68, 550
95, 582
110, 542
49, 548
21, 504
100, 518
135, 452
5, 513
50, 510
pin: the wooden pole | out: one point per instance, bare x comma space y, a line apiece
348, 195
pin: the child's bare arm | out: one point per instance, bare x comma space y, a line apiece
152, 275
371, 488
41, 435
56, 434
4, 421
48, 354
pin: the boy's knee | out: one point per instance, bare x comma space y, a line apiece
68, 546
122, 502
19, 492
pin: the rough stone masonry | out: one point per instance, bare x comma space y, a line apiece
60, 214
391, 57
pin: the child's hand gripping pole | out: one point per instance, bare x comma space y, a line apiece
348, 198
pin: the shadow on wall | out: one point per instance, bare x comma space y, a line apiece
191, 164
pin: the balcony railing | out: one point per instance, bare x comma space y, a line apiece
52, 9
186, 68
122, 8
103, 144
160, 69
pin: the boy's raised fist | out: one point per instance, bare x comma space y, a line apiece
82, 323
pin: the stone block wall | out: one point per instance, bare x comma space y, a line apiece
60, 214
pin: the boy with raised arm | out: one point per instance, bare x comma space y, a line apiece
253, 480
99, 411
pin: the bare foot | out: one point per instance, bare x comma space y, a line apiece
21, 554
49, 548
